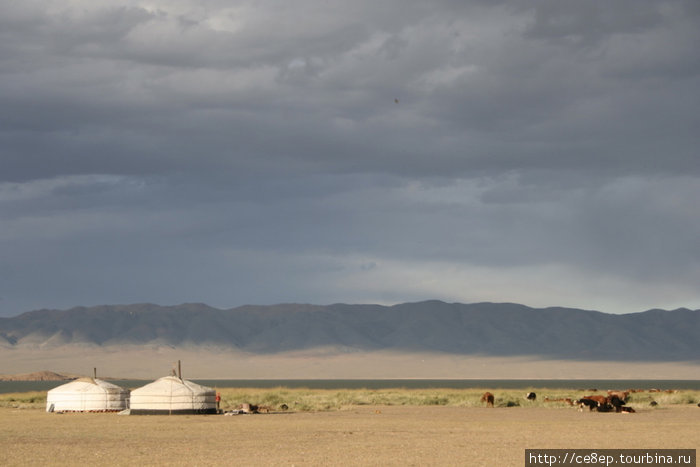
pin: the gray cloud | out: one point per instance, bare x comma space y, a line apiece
541, 152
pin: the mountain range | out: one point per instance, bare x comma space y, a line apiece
489, 329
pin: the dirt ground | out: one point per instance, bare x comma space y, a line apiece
365, 435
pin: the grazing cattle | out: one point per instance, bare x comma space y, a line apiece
622, 395
604, 404
488, 398
591, 404
531, 396
616, 402
601, 400
653, 403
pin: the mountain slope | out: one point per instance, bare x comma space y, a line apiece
496, 329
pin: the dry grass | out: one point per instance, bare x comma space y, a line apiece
348, 427
23, 400
304, 400
316, 400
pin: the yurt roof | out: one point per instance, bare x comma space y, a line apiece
88, 385
172, 385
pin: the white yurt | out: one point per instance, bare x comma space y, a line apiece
87, 395
173, 395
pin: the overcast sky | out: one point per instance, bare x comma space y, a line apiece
322, 151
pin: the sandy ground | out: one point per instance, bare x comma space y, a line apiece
203, 363
367, 435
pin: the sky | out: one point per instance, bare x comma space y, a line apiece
543, 152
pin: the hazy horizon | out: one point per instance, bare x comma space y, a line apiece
387, 305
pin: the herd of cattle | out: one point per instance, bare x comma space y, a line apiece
614, 401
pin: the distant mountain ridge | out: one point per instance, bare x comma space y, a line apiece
37, 376
493, 329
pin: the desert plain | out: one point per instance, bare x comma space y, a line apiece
352, 435
150, 362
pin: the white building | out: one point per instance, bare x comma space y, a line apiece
173, 395
87, 395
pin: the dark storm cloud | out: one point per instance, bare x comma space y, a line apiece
497, 88
539, 151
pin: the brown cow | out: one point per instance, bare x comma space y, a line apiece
488, 398
602, 400
601, 403
622, 395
